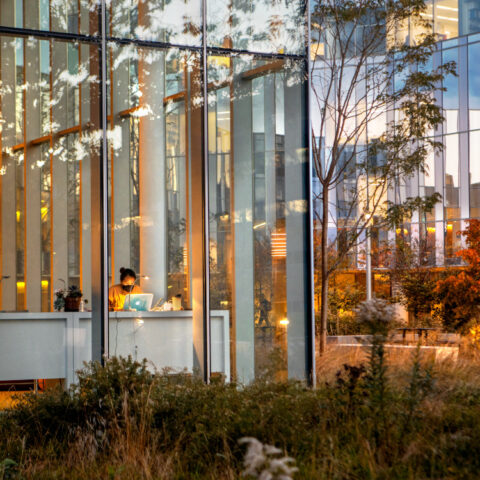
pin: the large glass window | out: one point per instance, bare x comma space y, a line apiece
174, 21
155, 156
451, 155
49, 141
474, 154
257, 213
45, 145
474, 86
450, 95
257, 25
446, 18
188, 198
66, 16
469, 16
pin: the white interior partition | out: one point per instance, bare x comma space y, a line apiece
55, 345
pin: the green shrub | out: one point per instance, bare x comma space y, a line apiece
121, 421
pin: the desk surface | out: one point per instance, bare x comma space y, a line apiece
115, 315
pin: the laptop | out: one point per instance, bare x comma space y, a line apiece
138, 302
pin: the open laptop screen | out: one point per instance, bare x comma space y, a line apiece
139, 302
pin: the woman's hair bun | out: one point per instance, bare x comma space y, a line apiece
122, 269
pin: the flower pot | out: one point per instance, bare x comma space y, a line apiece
72, 304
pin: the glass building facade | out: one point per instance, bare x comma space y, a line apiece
171, 138
453, 172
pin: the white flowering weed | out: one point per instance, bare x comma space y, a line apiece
262, 461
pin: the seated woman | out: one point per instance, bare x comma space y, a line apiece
117, 293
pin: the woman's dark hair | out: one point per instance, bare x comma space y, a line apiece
127, 272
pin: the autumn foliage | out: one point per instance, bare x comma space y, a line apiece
459, 293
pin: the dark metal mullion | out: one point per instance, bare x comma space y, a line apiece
310, 333
78, 37
211, 49
103, 304
30, 32
206, 227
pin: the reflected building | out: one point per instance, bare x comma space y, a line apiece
169, 140
454, 172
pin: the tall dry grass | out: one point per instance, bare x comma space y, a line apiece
420, 420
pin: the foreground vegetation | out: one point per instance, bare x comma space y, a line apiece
411, 419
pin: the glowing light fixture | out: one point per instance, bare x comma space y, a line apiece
451, 19
444, 7
279, 245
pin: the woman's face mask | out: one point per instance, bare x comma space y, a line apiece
127, 288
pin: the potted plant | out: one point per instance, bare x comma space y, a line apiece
73, 298
59, 303
68, 300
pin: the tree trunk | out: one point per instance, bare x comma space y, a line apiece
324, 274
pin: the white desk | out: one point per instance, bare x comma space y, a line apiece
55, 345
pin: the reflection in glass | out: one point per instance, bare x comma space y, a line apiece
74, 213
46, 222
46, 88
19, 88
65, 16
474, 85
175, 21
257, 25
254, 209
451, 155
155, 101
474, 163
19, 159
453, 242
469, 16
446, 18
427, 183
427, 244
176, 192
450, 95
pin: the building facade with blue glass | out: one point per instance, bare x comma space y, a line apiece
454, 172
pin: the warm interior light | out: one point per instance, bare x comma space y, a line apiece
258, 225
284, 321
447, 18
19, 215
185, 260
449, 226
279, 245
431, 229
20, 286
44, 284
317, 49
219, 61
444, 7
